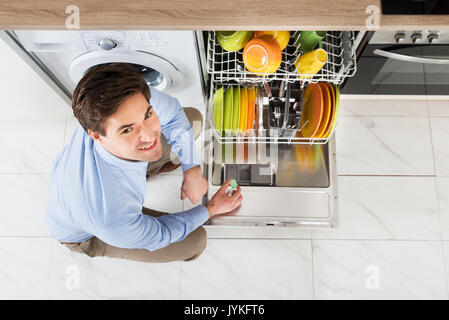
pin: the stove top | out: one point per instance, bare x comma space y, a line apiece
417, 7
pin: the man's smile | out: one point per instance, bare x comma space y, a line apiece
149, 147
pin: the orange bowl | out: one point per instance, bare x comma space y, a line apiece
282, 37
262, 55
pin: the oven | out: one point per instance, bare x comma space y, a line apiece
402, 63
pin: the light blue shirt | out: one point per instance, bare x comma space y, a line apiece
94, 193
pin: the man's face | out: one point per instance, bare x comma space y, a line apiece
133, 132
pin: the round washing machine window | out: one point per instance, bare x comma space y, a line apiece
153, 77
157, 71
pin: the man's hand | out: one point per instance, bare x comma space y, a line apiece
194, 186
222, 203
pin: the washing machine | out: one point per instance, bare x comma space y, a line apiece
168, 60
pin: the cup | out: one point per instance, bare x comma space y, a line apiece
262, 55
282, 37
308, 40
311, 62
233, 40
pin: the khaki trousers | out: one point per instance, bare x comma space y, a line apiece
188, 249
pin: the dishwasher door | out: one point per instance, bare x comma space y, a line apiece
302, 192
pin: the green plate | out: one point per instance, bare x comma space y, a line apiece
218, 110
236, 111
227, 112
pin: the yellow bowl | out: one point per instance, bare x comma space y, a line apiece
262, 55
282, 37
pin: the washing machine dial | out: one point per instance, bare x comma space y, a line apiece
107, 44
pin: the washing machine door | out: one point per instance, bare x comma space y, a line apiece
158, 72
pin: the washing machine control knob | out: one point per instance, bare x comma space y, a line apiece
107, 44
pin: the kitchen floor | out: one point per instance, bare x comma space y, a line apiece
392, 242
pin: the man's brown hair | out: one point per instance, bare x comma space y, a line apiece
102, 90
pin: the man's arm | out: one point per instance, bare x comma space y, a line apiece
141, 231
176, 128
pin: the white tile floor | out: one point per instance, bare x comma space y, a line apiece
392, 242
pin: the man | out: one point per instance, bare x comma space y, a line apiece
98, 181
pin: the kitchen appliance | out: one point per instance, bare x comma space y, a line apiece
402, 62
284, 184
168, 60
415, 7
287, 180
295, 176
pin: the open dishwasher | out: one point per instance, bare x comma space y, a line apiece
286, 180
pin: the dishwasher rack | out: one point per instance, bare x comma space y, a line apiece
225, 66
255, 135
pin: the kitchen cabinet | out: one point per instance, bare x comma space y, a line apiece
211, 15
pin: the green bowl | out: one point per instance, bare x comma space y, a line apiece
233, 40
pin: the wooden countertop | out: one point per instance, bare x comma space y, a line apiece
210, 15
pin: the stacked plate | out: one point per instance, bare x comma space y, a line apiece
234, 110
320, 110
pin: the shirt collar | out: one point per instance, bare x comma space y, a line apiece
112, 159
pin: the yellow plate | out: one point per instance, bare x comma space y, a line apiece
243, 110
236, 111
337, 108
332, 114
